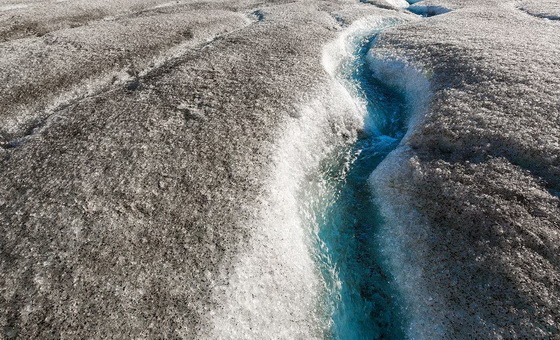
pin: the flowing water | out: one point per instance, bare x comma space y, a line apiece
363, 303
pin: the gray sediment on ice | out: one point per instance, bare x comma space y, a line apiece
473, 190
136, 136
134, 149
41, 74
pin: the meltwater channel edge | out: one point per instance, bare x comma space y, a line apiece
363, 302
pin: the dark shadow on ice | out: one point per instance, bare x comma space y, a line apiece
428, 10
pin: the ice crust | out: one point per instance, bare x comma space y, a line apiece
398, 3
546, 9
276, 290
149, 154
76, 63
399, 246
473, 218
12, 7
142, 208
390, 4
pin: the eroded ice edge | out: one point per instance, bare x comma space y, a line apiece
306, 273
391, 94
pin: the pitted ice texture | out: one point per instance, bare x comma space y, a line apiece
473, 191
147, 151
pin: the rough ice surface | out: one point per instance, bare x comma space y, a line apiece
278, 266
275, 289
12, 7
546, 9
471, 197
150, 150
397, 3
391, 4
139, 203
412, 82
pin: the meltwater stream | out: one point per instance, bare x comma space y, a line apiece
362, 302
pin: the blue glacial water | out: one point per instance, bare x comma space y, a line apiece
363, 302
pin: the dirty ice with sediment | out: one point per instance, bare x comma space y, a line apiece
338, 169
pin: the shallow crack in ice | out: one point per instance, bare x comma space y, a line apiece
128, 78
539, 15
